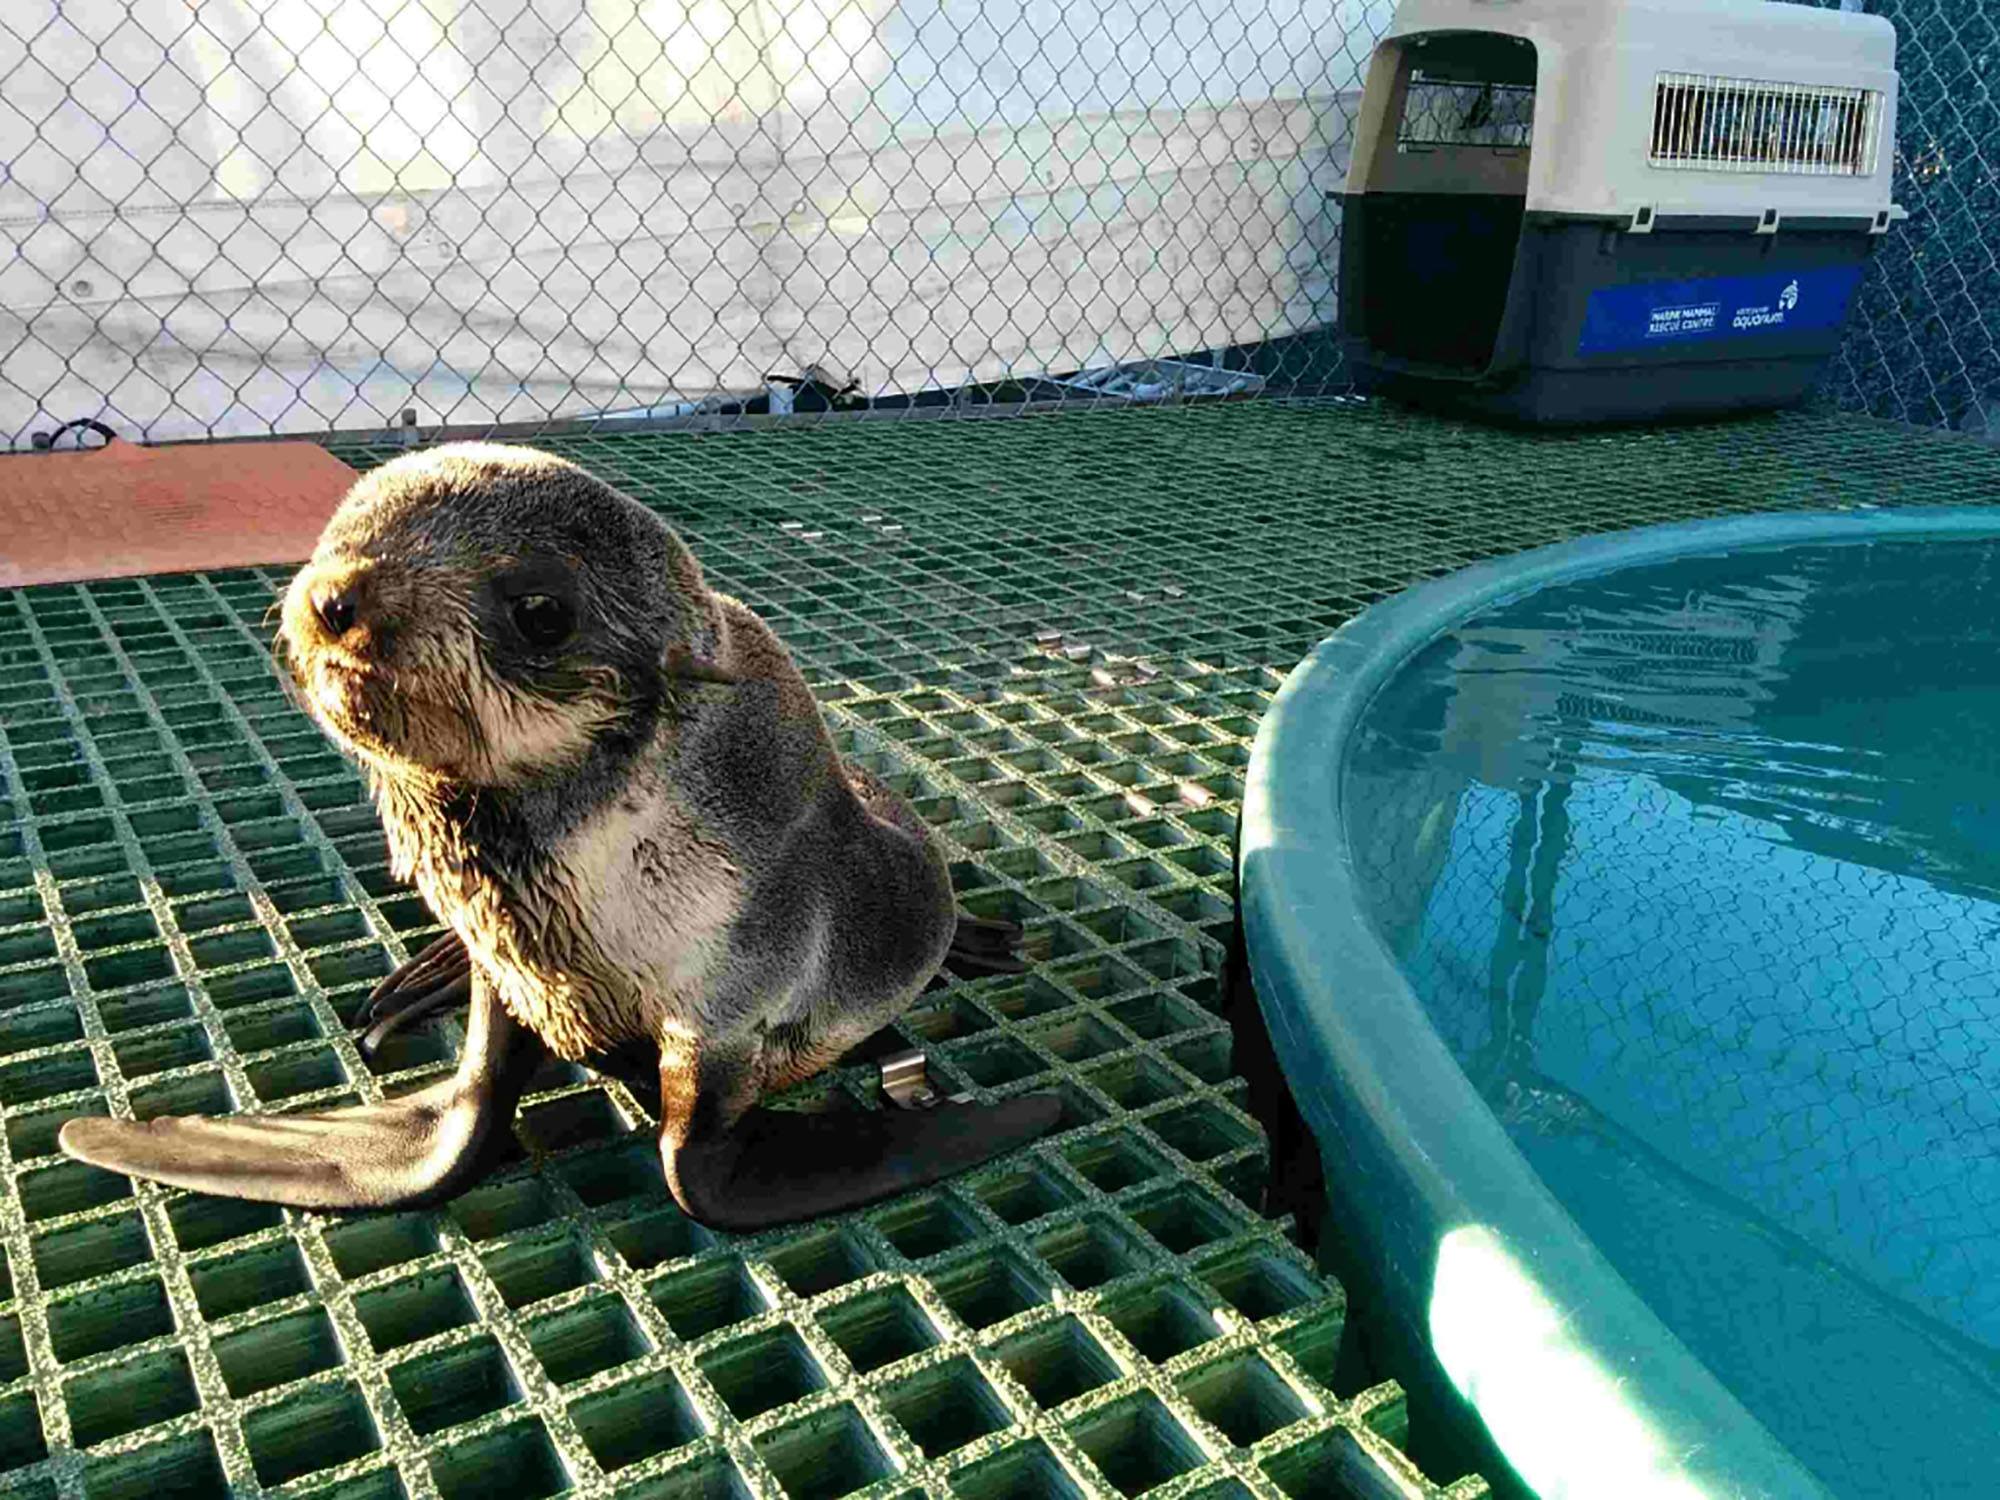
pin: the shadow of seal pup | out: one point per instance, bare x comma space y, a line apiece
614, 787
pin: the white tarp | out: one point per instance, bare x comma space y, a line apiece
302, 214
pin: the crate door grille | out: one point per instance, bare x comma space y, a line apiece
1457, 112
1713, 124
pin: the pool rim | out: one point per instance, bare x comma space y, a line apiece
1396, 1119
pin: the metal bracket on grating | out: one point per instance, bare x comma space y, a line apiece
906, 1080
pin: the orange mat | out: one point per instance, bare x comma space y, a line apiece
122, 509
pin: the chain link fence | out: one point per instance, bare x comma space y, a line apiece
1924, 344
255, 216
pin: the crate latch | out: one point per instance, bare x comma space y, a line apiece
906, 1080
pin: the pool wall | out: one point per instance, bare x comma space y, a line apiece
1505, 1316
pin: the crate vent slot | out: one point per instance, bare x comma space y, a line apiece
1710, 124
1456, 112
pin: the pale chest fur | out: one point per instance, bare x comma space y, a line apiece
662, 896
615, 935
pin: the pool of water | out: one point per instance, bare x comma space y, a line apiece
1695, 868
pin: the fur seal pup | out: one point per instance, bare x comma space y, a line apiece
616, 789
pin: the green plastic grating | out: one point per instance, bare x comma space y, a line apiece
1056, 635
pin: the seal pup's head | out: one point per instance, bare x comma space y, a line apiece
483, 616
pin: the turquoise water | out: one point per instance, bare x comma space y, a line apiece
1696, 867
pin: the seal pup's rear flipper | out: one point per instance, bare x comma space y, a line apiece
443, 962
422, 1148
980, 946
439, 978
777, 1166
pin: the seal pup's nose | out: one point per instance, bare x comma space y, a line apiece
338, 607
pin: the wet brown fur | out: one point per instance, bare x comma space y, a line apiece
649, 838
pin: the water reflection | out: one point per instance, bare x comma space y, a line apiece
1697, 869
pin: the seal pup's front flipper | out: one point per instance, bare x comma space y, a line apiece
422, 1148
777, 1166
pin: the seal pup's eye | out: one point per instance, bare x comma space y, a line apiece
542, 619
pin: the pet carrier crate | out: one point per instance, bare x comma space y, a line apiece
1597, 210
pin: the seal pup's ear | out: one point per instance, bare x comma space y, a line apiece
685, 666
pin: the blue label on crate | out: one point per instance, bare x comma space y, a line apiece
1654, 313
